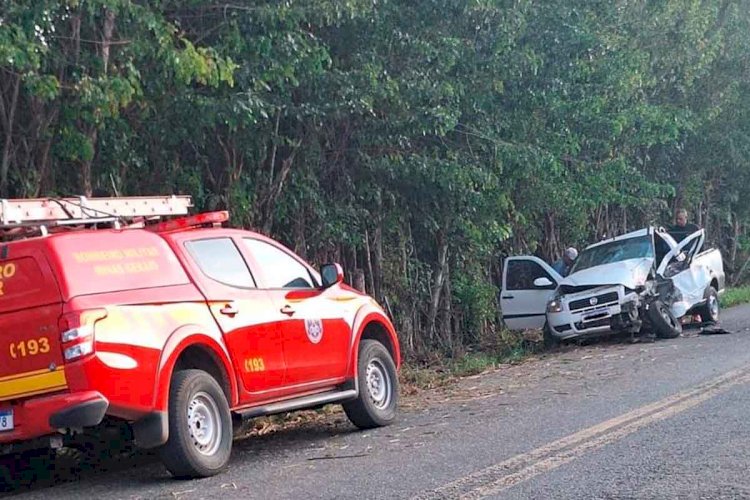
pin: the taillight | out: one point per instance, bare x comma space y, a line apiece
77, 332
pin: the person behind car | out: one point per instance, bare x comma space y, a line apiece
563, 265
682, 228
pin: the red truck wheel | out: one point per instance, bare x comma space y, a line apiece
377, 401
200, 426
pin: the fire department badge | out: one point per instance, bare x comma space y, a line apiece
314, 330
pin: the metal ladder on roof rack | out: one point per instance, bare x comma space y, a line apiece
73, 211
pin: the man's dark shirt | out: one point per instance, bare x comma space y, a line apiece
679, 233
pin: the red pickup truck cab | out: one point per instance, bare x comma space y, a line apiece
178, 329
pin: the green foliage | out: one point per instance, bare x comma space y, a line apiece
735, 296
420, 142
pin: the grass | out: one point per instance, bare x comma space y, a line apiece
474, 363
445, 372
735, 296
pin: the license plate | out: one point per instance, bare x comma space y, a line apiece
598, 313
6, 420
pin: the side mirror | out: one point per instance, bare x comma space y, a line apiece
542, 282
331, 274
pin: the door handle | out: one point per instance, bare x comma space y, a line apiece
287, 309
508, 297
229, 310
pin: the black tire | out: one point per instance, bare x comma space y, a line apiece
377, 401
666, 326
200, 426
550, 340
710, 311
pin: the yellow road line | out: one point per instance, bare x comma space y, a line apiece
503, 475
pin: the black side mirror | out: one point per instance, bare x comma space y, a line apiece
331, 274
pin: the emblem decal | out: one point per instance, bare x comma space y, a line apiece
314, 330
593, 301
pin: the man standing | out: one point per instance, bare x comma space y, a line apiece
563, 265
682, 228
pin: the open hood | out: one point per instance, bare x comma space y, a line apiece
630, 273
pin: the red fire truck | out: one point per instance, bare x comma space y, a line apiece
130, 310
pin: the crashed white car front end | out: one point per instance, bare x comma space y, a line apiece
583, 305
613, 286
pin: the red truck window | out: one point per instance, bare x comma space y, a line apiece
220, 260
280, 269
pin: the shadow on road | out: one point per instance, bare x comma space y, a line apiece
39, 470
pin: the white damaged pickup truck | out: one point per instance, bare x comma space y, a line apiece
642, 281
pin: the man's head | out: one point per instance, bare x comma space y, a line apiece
570, 255
681, 217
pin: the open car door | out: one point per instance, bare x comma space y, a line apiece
528, 284
679, 258
691, 280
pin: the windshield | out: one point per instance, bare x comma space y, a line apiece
616, 251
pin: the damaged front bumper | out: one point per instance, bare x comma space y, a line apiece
594, 312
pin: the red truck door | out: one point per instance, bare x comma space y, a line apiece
316, 333
31, 354
245, 314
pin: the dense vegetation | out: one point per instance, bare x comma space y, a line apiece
419, 141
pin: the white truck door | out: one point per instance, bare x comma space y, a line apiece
528, 284
690, 277
678, 254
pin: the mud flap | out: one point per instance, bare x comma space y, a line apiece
152, 430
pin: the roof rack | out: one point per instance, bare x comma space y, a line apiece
72, 211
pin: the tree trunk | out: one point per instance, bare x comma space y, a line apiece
437, 282
358, 280
404, 258
368, 260
86, 183
552, 247
735, 240
377, 264
234, 164
276, 189
42, 121
93, 132
446, 328
75, 29
300, 241
737, 278
274, 149
8, 120
109, 27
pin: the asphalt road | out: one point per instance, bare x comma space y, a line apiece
610, 420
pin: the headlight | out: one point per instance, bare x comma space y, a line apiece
554, 306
